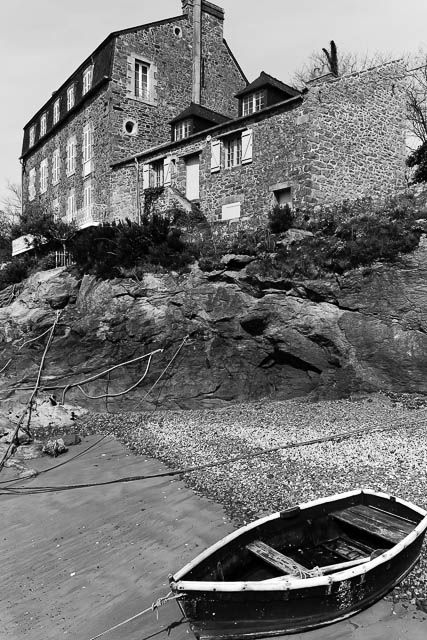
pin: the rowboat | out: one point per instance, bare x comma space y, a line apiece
301, 568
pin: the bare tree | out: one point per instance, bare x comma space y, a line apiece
11, 204
324, 61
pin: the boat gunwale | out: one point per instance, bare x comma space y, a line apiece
291, 583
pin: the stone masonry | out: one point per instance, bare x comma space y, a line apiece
124, 124
342, 140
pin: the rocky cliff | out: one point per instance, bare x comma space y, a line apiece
249, 336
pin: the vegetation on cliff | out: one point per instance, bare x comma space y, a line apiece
309, 242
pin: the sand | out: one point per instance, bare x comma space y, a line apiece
78, 562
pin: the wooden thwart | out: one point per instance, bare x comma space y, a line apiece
273, 557
384, 525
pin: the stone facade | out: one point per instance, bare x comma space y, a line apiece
122, 122
343, 139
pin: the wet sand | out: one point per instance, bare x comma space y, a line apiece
75, 563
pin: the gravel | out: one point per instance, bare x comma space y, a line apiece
393, 460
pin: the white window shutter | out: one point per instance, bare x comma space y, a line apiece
145, 176
215, 156
167, 166
247, 137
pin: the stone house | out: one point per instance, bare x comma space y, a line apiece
119, 102
342, 138
166, 106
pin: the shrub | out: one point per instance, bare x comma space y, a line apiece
16, 270
280, 219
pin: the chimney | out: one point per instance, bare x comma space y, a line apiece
197, 50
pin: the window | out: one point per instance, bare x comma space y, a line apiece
253, 102
32, 184
71, 155
283, 197
233, 152
43, 124
70, 97
43, 175
71, 204
55, 208
87, 148
230, 211
87, 79
32, 135
182, 129
56, 165
141, 79
157, 174
87, 194
56, 111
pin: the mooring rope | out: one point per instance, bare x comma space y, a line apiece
154, 607
120, 393
336, 437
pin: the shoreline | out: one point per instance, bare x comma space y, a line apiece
393, 461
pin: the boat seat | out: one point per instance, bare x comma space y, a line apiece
386, 526
276, 559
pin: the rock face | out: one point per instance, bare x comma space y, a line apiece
248, 336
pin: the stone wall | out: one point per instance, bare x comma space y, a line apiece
168, 48
95, 111
356, 134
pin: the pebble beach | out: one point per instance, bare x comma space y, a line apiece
387, 452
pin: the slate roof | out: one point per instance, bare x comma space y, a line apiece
198, 111
264, 80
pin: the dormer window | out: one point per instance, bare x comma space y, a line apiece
70, 97
43, 124
87, 79
56, 111
32, 135
253, 102
182, 129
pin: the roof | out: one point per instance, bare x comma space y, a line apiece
264, 80
198, 111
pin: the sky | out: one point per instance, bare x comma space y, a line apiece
42, 42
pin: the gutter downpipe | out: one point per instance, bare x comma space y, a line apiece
138, 195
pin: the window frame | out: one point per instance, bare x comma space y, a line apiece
71, 156
87, 148
232, 152
71, 198
150, 97
71, 97
56, 110
253, 102
87, 194
43, 124
44, 172
32, 135
157, 173
182, 129
87, 79
32, 189
56, 166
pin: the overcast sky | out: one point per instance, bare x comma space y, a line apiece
42, 42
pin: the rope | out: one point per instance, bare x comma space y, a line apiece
163, 372
120, 393
249, 456
22, 345
28, 407
98, 375
154, 607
